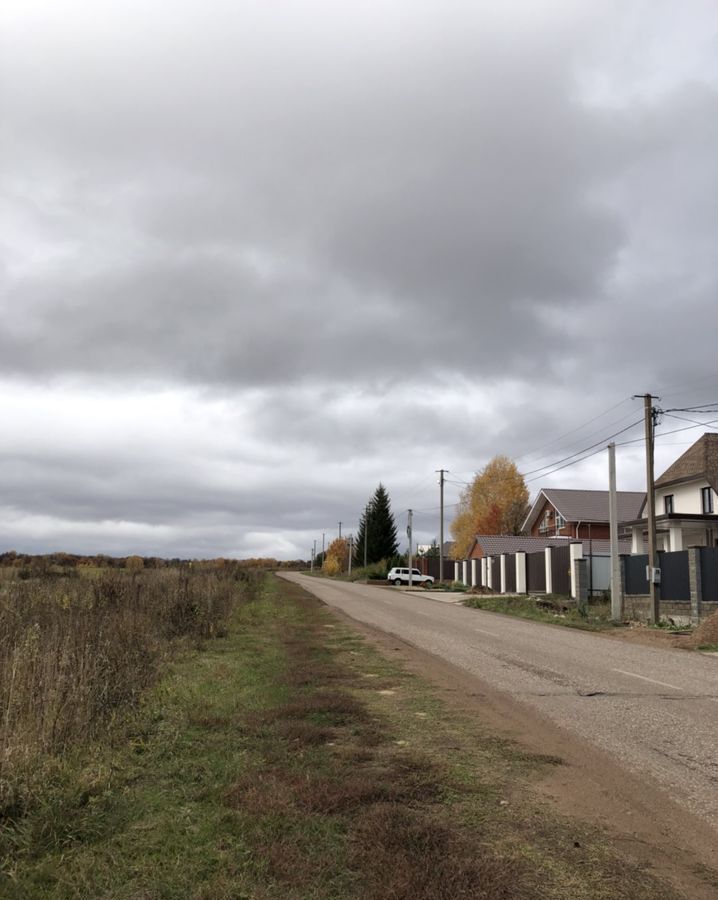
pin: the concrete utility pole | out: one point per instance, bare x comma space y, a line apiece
441, 472
616, 595
654, 585
311, 565
408, 531
340, 529
351, 551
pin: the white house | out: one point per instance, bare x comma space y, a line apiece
686, 502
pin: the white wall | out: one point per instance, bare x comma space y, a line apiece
686, 498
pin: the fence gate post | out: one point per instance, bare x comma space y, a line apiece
576, 551
549, 571
694, 578
521, 572
473, 572
502, 570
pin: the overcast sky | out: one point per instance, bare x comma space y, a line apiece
259, 256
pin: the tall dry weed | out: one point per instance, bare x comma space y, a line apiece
75, 652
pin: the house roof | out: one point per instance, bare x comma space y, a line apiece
495, 544
699, 461
585, 506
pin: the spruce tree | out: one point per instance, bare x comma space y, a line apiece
378, 529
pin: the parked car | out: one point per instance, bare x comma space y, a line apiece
399, 576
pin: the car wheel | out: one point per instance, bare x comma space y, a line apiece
397, 582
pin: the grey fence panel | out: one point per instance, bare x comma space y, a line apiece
675, 584
709, 574
599, 573
561, 570
511, 573
536, 571
636, 581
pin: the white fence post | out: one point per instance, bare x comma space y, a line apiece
576, 552
549, 571
520, 572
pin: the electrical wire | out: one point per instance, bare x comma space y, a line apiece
573, 430
585, 450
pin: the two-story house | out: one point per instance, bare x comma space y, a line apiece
579, 514
686, 501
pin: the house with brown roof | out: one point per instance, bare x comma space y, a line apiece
686, 501
579, 514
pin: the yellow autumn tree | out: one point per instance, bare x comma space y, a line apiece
496, 502
336, 558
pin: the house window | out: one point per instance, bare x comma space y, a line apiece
668, 504
707, 500
560, 521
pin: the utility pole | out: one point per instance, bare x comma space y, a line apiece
351, 551
366, 533
311, 565
441, 472
340, 529
616, 595
408, 531
323, 536
650, 414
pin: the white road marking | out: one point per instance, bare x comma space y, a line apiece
652, 680
490, 633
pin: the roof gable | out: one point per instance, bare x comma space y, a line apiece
585, 506
699, 461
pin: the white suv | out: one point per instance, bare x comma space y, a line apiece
401, 576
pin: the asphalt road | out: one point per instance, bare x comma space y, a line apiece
654, 710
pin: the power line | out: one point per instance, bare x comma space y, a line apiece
573, 430
603, 441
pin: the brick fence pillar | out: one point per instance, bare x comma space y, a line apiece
694, 578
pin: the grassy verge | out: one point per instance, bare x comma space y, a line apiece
549, 608
289, 759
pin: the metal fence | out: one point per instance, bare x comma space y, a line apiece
536, 571
709, 574
675, 582
561, 570
510, 573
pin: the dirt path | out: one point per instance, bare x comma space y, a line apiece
594, 785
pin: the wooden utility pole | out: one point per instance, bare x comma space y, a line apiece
654, 588
616, 595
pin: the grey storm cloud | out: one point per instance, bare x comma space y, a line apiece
383, 235
211, 209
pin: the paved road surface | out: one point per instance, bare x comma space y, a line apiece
655, 710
